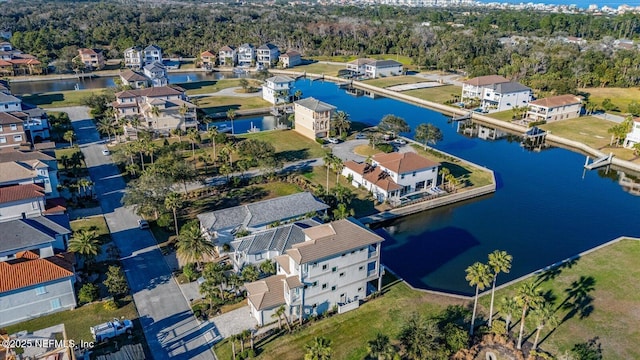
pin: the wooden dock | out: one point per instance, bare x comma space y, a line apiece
598, 163
466, 116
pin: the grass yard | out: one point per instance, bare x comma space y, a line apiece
207, 87
588, 130
217, 104
395, 80
78, 321
612, 315
59, 98
473, 176
350, 332
506, 115
289, 144
439, 94
365, 150
96, 223
69, 153
317, 68
620, 97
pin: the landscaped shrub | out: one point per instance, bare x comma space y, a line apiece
498, 327
88, 293
387, 148
110, 305
190, 271
536, 123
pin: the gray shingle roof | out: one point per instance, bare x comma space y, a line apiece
385, 63
8, 98
267, 46
277, 239
510, 87
28, 233
315, 104
262, 212
280, 79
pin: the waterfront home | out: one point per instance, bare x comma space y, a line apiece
12, 133
473, 89
313, 117
267, 244
227, 56
506, 96
290, 59
555, 108
267, 55
17, 168
160, 109
208, 59
134, 57
222, 225
374, 68
246, 55
633, 137
278, 89
134, 79
337, 265
14, 62
9, 103
92, 59
393, 175
157, 74
152, 54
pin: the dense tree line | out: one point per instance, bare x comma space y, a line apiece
54, 30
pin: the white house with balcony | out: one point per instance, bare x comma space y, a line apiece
157, 74
473, 89
633, 137
290, 59
375, 68
227, 56
278, 89
267, 55
338, 264
393, 175
134, 57
313, 117
246, 55
506, 96
554, 108
152, 53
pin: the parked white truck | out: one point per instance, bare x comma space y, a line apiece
111, 329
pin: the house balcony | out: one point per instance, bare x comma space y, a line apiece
372, 273
373, 254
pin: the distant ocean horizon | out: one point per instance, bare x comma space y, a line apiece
582, 4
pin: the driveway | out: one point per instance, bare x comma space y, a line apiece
170, 328
344, 150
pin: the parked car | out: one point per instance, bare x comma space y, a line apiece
333, 140
399, 142
111, 329
106, 152
360, 136
143, 224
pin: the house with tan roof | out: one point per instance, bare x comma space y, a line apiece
313, 117
555, 108
227, 56
91, 58
393, 175
338, 264
290, 59
474, 88
134, 79
12, 133
208, 59
21, 168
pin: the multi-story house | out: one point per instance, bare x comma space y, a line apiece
152, 53
391, 176
134, 79
11, 131
506, 96
33, 167
290, 59
473, 89
278, 89
222, 225
633, 137
313, 117
208, 59
374, 68
91, 58
555, 108
14, 62
357, 66
9, 103
21, 201
157, 74
267, 55
227, 56
160, 109
134, 57
246, 55
35, 122
337, 265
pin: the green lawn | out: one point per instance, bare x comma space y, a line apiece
588, 130
96, 223
317, 68
289, 144
612, 315
59, 98
395, 80
69, 153
217, 104
206, 87
472, 175
620, 97
439, 94
506, 115
78, 321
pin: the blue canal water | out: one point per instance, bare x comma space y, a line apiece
542, 212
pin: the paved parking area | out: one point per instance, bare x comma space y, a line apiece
233, 322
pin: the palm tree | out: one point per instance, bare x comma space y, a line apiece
478, 275
298, 94
529, 295
544, 315
444, 172
69, 136
231, 114
341, 122
508, 307
268, 267
211, 134
194, 137
499, 261
86, 243
380, 348
328, 160
183, 110
155, 111
84, 183
342, 212
282, 312
192, 246
319, 349
173, 202
178, 133
214, 273
105, 126
428, 134
250, 273
337, 166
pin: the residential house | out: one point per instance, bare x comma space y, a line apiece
313, 117
393, 175
160, 109
374, 68
35, 121
506, 96
357, 66
267, 244
208, 59
267, 55
21, 201
222, 225
290, 59
91, 58
4, 87
227, 56
157, 74
338, 264
152, 54
14, 62
134, 57
555, 108
31, 167
473, 89
11, 131
50, 348
9, 103
633, 137
278, 89
134, 79
246, 55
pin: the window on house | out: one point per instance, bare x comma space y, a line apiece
41, 290
324, 286
55, 304
341, 274
14, 126
359, 289
334, 269
361, 268
0, 127
324, 267
333, 288
3, 139
315, 283
414, 173
315, 264
402, 176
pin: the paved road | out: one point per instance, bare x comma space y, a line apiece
169, 326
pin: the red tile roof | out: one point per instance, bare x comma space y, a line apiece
401, 163
374, 175
207, 54
20, 192
28, 270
